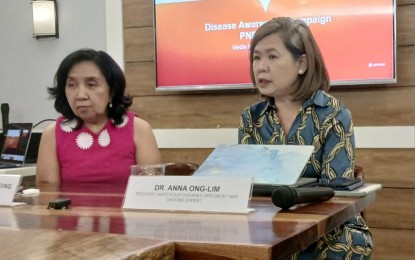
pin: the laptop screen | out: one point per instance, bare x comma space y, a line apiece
16, 142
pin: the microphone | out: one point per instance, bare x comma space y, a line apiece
5, 116
285, 197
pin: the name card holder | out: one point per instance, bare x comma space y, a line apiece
189, 193
8, 188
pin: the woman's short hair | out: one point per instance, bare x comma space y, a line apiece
112, 73
298, 39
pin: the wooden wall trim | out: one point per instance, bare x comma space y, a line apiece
393, 208
393, 244
393, 168
138, 13
405, 23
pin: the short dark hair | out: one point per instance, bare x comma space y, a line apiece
299, 40
114, 77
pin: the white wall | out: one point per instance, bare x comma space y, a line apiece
28, 65
366, 137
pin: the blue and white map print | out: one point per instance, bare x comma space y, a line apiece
267, 164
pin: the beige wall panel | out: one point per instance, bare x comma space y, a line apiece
392, 168
139, 44
138, 13
393, 244
393, 208
380, 106
405, 25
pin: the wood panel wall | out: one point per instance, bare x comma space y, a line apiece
391, 217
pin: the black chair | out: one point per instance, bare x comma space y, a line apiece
180, 169
358, 172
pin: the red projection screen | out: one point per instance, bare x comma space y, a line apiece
204, 44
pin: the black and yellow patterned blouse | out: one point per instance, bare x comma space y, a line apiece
322, 122
327, 125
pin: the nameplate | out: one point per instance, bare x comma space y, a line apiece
188, 193
8, 188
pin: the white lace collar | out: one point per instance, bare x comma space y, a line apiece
85, 140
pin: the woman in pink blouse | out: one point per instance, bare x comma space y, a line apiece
96, 138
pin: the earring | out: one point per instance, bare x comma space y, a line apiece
110, 105
300, 72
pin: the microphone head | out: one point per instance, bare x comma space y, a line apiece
284, 197
5, 107
5, 116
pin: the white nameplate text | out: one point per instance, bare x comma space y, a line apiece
189, 193
8, 187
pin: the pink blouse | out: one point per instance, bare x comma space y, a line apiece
88, 157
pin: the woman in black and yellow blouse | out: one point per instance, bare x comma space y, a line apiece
288, 71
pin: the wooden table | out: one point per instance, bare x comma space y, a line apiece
267, 233
56, 244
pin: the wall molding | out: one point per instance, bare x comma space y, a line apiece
366, 137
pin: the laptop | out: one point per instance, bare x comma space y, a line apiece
270, 166
16, 142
